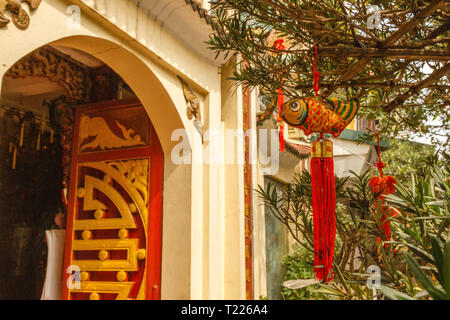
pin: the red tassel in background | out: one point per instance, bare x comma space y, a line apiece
323, 191
278, 45
383, 185
280, 102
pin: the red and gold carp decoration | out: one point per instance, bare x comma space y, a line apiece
316, 115
322, 116
382, 186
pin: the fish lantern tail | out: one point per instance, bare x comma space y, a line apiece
323, 191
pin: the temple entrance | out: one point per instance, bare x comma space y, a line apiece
80, 177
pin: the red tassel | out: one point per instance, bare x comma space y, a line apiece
383, 185
323, 191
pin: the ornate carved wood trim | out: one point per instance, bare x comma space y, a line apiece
57, 67
20, 17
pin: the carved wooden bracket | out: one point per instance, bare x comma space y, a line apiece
19, 16
193, 103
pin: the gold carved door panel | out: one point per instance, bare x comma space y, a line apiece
107, 251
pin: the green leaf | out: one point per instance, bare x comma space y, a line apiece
394, 294
421, 294
328, 291
436, 203
438, 259
446, 270
435, 293
421, 253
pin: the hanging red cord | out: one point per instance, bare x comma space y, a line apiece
379, 164
278, 45
316, 74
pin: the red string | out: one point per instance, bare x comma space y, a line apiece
380, 165
278, 45
316, 74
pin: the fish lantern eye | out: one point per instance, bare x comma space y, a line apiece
294, 106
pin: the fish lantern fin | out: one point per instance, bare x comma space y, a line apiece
346, 109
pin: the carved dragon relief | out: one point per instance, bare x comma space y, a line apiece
193, 103
105, 138
19, 16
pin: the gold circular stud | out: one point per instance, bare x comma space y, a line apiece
132, 207
99, 214
107, 179
84, 276
141, 254
121, 276
80, 192
94, 296
123, 234
86, 235
103, 255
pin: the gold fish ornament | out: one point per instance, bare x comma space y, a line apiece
320, 115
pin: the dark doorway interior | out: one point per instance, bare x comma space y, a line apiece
30, 189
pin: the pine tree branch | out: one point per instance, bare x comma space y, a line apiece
399, 100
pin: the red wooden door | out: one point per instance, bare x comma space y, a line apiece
113, 240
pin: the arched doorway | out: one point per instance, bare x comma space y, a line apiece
49, 97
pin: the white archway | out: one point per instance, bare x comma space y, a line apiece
165, 116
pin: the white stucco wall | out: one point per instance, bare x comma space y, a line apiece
195, 263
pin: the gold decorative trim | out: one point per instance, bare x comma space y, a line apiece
105, 138
104, 263
138, 198
322, 149
132, 176
90, 204
122, 289
136, 172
